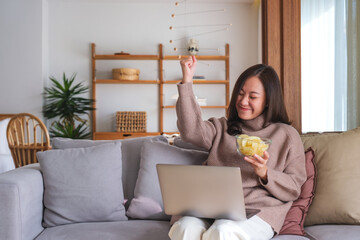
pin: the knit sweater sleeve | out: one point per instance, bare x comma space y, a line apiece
192, 127
286, 184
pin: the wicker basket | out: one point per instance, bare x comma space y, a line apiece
131, 122
126, 73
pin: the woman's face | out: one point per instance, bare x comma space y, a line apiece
251, 100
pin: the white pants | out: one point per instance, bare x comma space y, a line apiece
192, 228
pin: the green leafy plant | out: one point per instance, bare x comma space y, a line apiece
64, 103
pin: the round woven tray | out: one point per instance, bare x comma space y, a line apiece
126, 73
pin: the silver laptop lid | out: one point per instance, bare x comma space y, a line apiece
202, 191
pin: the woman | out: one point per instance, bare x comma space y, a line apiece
270, 183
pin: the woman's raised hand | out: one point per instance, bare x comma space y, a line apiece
188, 67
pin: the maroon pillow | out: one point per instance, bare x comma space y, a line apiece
294, 221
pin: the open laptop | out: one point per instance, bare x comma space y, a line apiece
203, 191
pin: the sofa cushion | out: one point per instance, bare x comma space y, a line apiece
182, 144
82, 184
294, 221
333, 232
131, 149
124, 230
147, 202
290, 237
337, 193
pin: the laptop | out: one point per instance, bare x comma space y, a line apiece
203, 191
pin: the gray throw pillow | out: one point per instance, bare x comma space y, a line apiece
147, 202
131, 149
82, 185
182, 144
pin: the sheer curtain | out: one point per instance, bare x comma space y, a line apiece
353, 72
323, 65
330, 52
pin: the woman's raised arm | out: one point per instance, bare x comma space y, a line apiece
192, 127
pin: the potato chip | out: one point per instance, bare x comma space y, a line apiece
250, 145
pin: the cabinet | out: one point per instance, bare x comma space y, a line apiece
160, 58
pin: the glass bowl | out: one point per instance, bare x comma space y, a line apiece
250, 145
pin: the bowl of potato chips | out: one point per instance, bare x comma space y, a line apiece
251, 145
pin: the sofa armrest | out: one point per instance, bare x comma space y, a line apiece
21, 203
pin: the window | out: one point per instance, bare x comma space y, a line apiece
330, 72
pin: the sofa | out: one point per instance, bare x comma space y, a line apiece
84, 189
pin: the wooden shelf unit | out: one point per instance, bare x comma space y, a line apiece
160, 58
121, 135
202, 81
126, 57
173, 106
113, 81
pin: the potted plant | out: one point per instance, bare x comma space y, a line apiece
65, 104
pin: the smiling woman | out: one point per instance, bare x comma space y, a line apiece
256, 109
262, 86
251, 100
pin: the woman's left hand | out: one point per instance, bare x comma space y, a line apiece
259, 165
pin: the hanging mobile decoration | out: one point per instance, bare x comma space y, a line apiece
189, 13
178, 3
222, 29
193, 47
193, 44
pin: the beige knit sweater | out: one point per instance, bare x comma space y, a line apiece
286, 165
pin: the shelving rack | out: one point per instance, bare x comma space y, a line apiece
161, 82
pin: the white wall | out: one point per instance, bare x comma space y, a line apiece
21, 79
69, 27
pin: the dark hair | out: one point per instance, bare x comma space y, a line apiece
274, 111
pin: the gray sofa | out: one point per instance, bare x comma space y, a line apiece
22, 194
